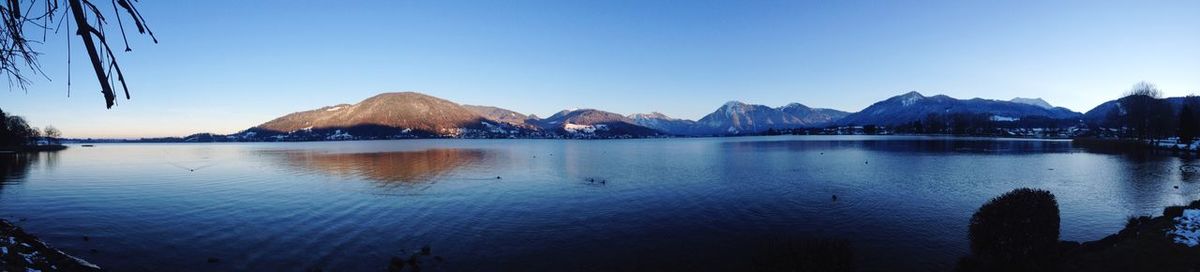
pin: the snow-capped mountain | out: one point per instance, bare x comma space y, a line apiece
404, 114
591, 123
664, 123
813, 116
499, 114
735, 117
415, 115
914, 106
1032, 101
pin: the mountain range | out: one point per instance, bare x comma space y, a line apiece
914, 106
416, 115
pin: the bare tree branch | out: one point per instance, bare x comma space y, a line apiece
18, 57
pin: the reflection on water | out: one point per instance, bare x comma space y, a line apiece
388, 168
14, 166
903, 203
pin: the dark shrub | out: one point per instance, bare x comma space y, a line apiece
1016, 231
1173, 211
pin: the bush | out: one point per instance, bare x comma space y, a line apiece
1016, 231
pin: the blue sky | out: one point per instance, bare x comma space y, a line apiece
223, 66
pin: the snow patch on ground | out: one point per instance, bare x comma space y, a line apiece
998, 118
586, 129
573, 128
1187, 228
334, 108
910, 99
339, 135
493, 128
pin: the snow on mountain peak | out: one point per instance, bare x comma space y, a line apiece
651, 115
1032, 101
793, 106
910, 98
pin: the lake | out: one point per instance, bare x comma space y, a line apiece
903, 202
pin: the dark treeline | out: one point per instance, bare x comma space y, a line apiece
1143, 114
979, 124
16, 132
968, 124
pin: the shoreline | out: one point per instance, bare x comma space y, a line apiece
1117, 144
1145, 244
21, 251
30, 149
966, 136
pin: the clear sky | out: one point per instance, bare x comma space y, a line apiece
225, 65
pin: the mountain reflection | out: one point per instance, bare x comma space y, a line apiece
391, 168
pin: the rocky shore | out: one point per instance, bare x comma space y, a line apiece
1163, 243
20, 251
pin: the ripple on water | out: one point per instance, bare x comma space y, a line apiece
902, 203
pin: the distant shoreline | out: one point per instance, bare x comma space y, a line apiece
166, 140
1116, 144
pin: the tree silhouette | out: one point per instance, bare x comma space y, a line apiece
53, 133
17, 51
14, 131
1145, 113
1187, 125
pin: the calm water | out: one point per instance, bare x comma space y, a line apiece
903, 202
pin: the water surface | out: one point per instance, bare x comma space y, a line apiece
555, 205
